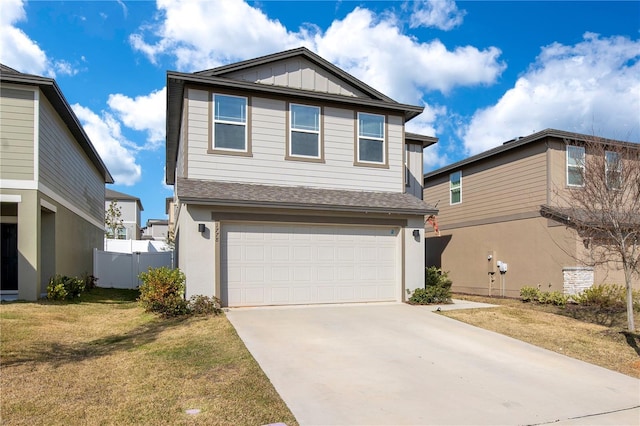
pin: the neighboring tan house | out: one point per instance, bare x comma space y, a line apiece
491, 208
52, 184
130, 207
156, 229
290, 184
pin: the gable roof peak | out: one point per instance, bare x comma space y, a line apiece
303, 52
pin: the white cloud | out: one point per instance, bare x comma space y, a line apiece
373, 48
21, 52
592, 87
441, 14
205, 34
116, 152
143, 113
18, 50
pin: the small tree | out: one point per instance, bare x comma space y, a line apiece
603, 206
113, 219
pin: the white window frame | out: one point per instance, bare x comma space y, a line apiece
607, 170
382, 139
578, 166
318, 132
452, 188
229, 122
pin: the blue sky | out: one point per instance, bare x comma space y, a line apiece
485, 72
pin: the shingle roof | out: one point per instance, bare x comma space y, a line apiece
242, 194
516, 143
110, 194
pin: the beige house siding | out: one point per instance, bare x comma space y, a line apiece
296, 73
17, 128
513, 185
535, 253
268, 150
64, 167
414, 164
66, 242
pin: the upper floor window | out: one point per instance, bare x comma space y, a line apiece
575, 165
371, 140
455, 188
229, 122
613, 169
407, 172
304, 136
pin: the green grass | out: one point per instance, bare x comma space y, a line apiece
102, 360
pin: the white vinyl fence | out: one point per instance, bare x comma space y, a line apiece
121, 270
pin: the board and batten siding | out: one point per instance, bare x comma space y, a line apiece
296, 73
17, 127
507, 186
414, 163
267, 164
65, 168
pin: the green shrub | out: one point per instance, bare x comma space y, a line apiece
437, 288
529, 294
56, 291
436, 277
607, 296
162, 292
204, 305
62, 287
430, 295
557, 298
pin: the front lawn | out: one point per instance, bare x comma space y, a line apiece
104, 361
591, 335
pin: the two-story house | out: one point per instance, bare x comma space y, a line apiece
130, 209
498, 206
295, 183
52, 184
156, 229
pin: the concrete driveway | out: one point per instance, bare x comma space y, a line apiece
395, 364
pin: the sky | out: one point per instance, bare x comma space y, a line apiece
484, 71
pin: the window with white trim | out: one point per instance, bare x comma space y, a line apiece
613, 169
304, 133
455, 188
371, 141
575, 165
229, 122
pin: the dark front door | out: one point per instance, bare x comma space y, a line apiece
9, 253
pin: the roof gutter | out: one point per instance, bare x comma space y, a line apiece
357, 209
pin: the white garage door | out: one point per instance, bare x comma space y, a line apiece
264, 264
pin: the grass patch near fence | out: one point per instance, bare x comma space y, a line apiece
102, 360
593, 336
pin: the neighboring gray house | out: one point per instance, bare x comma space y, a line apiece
52, 184
131, 208
156, 229
295, 183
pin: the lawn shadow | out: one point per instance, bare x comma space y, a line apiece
100, 295
632, 339
58, 354
609, 317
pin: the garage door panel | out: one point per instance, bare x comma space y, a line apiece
302, 295
287, 264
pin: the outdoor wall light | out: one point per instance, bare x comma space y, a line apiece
201, 228
416, 233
